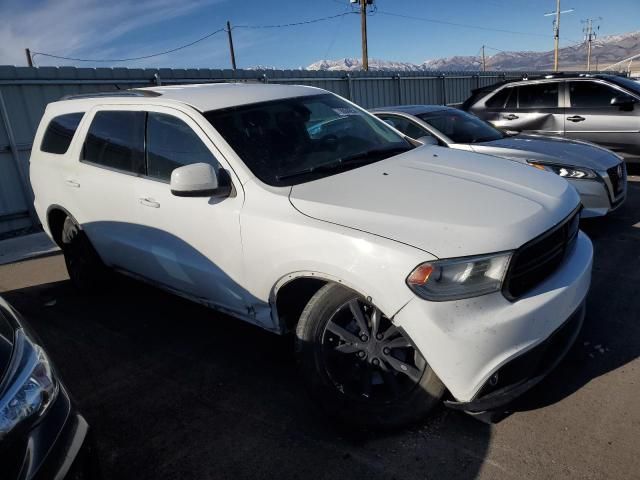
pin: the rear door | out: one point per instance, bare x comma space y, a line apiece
102, 182
533, 108
590, 116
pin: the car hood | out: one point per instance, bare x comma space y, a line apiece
551, 149
7, 337
446, 202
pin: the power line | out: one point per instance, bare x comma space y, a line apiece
306, 22
181, 47
463, 25
132, 58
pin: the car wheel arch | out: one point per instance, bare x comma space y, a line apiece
291, 293
56, 215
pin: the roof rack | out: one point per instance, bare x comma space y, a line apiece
544, 76
123, 93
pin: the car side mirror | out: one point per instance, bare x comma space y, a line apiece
196, 180
428, 140
624, 102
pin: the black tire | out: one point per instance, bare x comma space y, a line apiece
86, 271
337, 375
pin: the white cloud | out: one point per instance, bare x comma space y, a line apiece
73, 27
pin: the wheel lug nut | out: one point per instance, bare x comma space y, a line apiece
379, 336
376, 362
361, 354
386, 350
364, 338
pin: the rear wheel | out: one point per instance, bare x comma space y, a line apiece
86, 270
361, 368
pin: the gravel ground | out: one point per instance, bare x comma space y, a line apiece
172, 390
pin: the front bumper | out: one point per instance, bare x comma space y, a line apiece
524, 372
55, 448
467, 341
596, 198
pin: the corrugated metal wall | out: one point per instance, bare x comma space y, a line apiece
25, 91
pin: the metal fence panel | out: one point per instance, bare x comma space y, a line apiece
27, 90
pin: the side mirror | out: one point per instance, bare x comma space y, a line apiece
428, 140
625, 102
511, 133
195, 180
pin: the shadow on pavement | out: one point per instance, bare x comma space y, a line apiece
172, 390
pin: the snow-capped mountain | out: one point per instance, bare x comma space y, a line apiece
605, 51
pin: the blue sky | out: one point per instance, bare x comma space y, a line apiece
130, 28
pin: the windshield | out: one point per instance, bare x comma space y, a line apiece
295, 140
461, 127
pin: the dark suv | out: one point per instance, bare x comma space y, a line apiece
599, 108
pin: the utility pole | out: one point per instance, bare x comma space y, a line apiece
27, 51
556, 32
363, 26
231, 51
589, 36
484, 64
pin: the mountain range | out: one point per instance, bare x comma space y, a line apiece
605, 51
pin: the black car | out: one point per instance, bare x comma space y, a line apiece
599, 108
42, 436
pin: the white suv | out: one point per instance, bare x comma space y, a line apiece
403, 270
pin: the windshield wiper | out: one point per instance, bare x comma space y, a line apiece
345, 162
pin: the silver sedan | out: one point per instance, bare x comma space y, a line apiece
598, 174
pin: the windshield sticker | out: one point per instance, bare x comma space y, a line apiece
345, 111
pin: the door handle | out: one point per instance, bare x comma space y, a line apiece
72, 183
576, 118
149, 202
511, 116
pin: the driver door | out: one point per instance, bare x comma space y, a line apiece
191, 244
590, 116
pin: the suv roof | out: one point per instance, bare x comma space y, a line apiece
205, 97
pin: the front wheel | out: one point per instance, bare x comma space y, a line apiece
359, 366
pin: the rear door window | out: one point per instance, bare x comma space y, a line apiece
405, 125
499, 100
592, 94
60, 132
540, 95
171, 143
116, 140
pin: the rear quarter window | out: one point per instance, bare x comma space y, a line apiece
59, 133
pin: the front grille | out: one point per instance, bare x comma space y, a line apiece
532, 263
617, 177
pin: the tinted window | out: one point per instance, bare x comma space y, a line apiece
461, 127
541, 95
171, 143
59, 133
499, 99
116, 140
293, 140
592, 94
406, 126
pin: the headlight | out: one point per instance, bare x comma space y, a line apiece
30, 388
459, 277
565, 171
